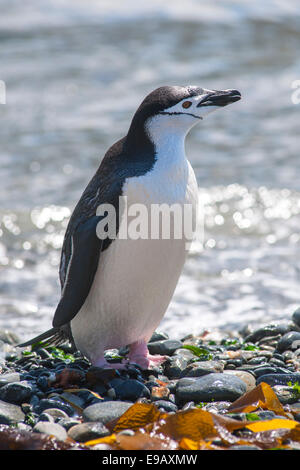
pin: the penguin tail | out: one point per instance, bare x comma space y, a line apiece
54, 337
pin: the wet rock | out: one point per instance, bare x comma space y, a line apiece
246, 377
105, 411
175, 366
285, 394
10, 414
56, 413
290, 340
88, 431
67, 423
268, 330
158, 336
131, 389
215, 386
279, 379
52, 429
200, 368
9, 377
46, 403
164, 347
16, 392
166, 405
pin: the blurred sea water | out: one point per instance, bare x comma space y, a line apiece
75, 72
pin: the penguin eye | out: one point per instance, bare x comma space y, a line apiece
186, 104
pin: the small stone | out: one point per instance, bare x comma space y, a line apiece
158, 336
55, 413
131, 389
166, 405
200, 368
279, 379
88, 431
9, 377
52, 429
46, 403
246, 377
67, 423
285, 394
16, 392
105, 411
268, 330
164, 347
289, 341
175, 366
215, 386
10, 414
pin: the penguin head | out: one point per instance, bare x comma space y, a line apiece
177, 109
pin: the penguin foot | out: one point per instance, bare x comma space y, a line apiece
103, 364
139, 354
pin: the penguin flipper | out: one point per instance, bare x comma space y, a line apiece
81, 269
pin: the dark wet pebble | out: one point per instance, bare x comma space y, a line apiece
290, 340
200, 368
268, 330
131, 389
279, 379
158, 336
105, 411
87, 431
164, 347
46, 403
166, 405
215, 386
16, 392
175, 366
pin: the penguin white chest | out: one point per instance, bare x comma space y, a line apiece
138, 273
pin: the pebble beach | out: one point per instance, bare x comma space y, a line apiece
53, 398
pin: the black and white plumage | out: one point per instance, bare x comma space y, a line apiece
116, 291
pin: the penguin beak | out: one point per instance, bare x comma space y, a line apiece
219, 98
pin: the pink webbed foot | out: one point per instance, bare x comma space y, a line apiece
139, 354
103, 364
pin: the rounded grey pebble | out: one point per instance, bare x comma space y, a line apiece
10, 413
164, 347
166, 405
175, 366
200, 368
105, 411
215, 386
87, 431
53, 429
158, 336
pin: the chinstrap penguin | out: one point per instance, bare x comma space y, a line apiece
114, 292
